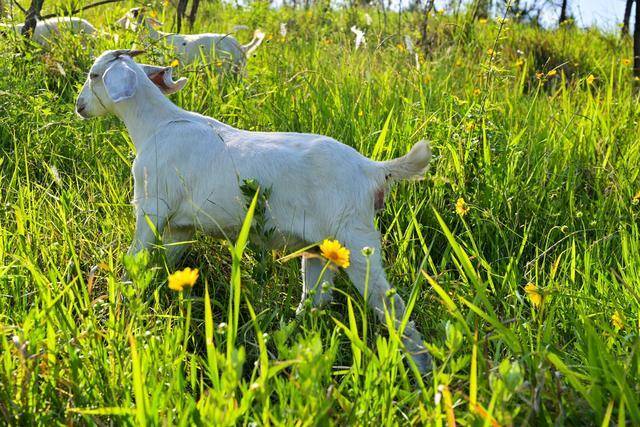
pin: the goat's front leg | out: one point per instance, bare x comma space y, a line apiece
176, 240
145, 236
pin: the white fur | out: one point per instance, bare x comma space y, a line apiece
189, 168
192, 47
48, 30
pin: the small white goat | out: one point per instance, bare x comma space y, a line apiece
48, 30
189, 169
192, 47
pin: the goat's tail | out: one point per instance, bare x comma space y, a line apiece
248, 48
412, 165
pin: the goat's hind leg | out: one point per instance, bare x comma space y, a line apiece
378, 296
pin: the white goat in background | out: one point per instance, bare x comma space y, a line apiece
189, 169
192, 47
47, 30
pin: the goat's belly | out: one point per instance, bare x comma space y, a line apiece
212, 217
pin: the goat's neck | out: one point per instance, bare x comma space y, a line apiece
145, 114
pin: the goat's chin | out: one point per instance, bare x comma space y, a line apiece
83, 115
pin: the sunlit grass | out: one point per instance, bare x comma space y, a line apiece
519, 255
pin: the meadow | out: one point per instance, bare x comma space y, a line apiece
519, 255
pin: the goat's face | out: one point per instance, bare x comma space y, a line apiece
114, 77
131, 19
134, 17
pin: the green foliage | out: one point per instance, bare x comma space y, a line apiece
546, 161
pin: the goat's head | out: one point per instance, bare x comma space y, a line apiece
115, 77
134, 17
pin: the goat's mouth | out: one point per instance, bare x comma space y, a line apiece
81, 111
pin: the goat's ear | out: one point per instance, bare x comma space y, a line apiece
120, 81
162, 78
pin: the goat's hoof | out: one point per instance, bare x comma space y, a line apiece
422, 359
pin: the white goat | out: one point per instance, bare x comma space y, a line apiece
192, 47
189, 169
47, 30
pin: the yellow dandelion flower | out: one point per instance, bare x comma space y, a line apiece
461, 207
520, 62
482, 20
400, 47
552, 73
590, 79
175, 63
468, 127
335, 252
617, 321
360, 113
539, 75
490, 51
459, 63
477, 91
183, 279
534, 294
269, 37
626, 62
636, 198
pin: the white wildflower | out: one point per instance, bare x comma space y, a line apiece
408, 43
367, 19
359, 36
283, 29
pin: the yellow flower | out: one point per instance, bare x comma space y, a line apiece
459, 63
590, 79
175, 63
360, 113
269, 37
552, 73
626, 62
218, 63
469, 126
617, 321
533, 293
477, 91
482, 20
461, 207
183, 279
400, 47
539, 75
636, 198
519, 62
335, 252
490, 52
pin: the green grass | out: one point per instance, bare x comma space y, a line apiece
548, 168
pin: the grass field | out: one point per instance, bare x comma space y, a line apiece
529, 301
